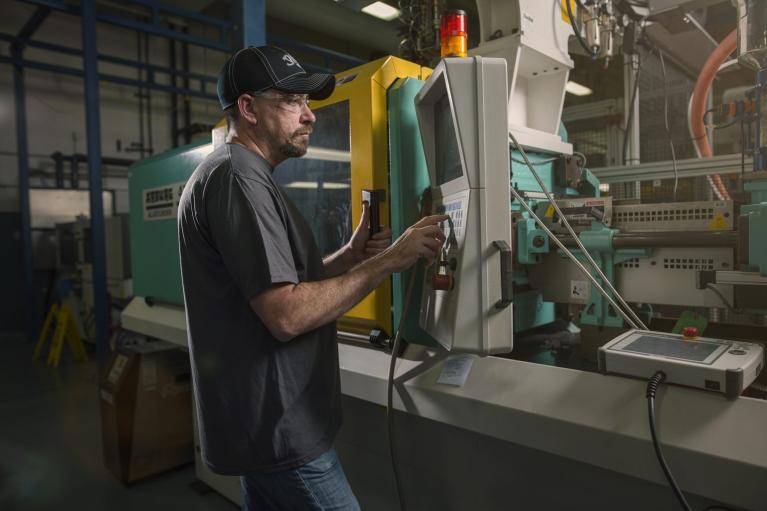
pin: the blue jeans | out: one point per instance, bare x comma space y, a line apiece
320, 485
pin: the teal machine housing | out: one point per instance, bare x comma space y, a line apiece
154, 242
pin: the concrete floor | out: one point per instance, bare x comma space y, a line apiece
50, 444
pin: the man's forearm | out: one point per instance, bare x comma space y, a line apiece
309, 305
339, 262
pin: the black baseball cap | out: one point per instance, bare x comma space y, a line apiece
258, 68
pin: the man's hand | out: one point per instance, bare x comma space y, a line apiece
423, 239
361, 245
288, 310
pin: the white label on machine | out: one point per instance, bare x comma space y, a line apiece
579, 290
162, 203
456, 370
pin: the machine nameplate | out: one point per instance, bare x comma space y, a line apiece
161, 203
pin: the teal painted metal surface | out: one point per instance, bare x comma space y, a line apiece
530, 310
408, 179
528, 236
757, 225
599, 243
154, 243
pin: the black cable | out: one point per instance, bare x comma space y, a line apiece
727, 304
666, 123
577, 31
632, 102
652, 389
390, 390
390, 422
742, 151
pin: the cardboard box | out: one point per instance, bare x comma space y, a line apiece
146, 405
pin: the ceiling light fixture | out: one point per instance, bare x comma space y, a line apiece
382, 11
577, 89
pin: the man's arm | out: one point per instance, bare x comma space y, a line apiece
359, 248
289, 310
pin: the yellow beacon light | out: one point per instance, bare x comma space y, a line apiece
453, 39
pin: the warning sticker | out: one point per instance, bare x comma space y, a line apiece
579, 290
162, 203
718, 223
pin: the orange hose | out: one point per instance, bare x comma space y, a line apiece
698, 105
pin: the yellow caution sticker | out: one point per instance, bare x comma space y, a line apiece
550, 212
718, 223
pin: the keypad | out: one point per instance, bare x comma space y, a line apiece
456, 212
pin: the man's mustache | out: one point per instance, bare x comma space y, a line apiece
305, 131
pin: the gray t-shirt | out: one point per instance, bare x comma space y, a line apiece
262, 404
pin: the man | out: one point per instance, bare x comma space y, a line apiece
261, 302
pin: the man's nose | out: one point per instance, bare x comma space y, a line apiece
307, 115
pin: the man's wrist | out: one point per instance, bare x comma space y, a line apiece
383, 262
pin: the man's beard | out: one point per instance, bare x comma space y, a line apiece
292, 149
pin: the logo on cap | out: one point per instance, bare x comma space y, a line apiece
289, 60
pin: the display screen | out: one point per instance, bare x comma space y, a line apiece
695, 351
446, 146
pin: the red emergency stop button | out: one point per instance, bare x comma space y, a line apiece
690, 332
442, 282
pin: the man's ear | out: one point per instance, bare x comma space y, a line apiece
245, 105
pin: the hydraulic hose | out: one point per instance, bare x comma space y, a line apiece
698, 106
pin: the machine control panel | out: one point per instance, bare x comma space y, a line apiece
465, 295
710, 364
457, 211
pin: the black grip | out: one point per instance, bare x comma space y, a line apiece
374, 198
507, 274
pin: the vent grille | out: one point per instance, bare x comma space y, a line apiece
682, 263
631, 263
665, 215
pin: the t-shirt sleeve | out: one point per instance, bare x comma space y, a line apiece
250, 234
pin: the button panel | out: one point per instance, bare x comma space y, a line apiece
457, 213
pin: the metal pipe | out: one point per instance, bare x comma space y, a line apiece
173, 95
105, 160
150, 79
157, 30
140, 95
58, 164
701, 239
66, 50
93, 129
74, 172
31, 310
44, 66
187, 103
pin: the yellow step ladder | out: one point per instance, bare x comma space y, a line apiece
65, 328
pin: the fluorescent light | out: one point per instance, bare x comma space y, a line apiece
381, 10
312, 185
577, 89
